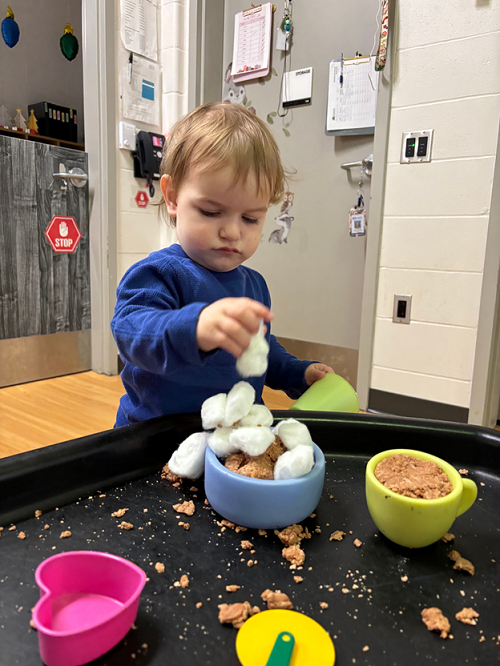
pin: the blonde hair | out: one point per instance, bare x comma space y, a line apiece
219, 134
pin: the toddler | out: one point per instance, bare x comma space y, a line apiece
184, 314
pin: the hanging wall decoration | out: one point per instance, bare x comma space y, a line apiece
10, 29
69, 43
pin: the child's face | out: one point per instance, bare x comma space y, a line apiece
218, 221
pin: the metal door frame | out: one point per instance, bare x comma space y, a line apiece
99, 88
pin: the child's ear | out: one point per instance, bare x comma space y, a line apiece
169, 194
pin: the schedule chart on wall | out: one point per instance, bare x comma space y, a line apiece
252, 43
352, 94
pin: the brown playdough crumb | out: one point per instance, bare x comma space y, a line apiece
125, 526
276, 599
120, 513
338, 535
461, 563
38, 513
358, 543
186, 526
21, 535
291, 535
32, 624
467, 616
465, 472
246, 545
262, 533
46, 527
250, 563
160, 567
187, 508
184, 581
294, 554
12, 528
234, 461
448, 537
65, 534
298, 579
434, 620
366, 648
233, 588
323, 605
413, 477
170, 476
236, 614
199, 604
257, 467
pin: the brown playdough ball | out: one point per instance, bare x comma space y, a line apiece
434, 620
276, 599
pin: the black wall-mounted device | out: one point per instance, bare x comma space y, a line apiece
147, 157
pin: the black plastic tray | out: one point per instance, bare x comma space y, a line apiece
124, 466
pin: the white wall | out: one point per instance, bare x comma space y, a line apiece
143, 230
35, 70
447, 77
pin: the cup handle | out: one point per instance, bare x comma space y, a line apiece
469, 495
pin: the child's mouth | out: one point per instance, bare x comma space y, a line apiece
228, 250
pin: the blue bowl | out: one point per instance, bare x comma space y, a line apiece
260, 504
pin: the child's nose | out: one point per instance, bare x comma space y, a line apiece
230, 230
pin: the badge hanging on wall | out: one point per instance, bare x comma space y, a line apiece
69, 43
357, 215
10, 29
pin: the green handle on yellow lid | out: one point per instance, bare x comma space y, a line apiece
282, 650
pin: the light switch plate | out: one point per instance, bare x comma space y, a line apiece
416, 158
401, 302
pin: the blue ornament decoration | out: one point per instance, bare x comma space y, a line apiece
10, 29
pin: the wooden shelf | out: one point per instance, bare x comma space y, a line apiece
41, 139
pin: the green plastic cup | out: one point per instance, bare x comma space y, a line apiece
330, 394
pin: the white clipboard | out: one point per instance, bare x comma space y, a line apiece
352, 105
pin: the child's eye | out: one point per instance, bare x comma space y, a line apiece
209, 213
251, 220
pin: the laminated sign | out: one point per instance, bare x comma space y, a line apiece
63, 234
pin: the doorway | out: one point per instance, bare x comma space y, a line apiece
313, 267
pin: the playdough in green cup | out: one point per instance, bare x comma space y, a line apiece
330, 394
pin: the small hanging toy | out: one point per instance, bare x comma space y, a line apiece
10, 29
69, 43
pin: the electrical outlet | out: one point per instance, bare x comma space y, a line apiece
402, 309
416, 147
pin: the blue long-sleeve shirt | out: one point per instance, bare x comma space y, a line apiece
159, 300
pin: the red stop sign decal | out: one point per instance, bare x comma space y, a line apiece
142, 199
63, 234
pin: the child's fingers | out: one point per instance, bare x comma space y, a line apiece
233, 330
249, 313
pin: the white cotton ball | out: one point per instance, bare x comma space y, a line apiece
239, 402
293, 433
252, 441
259, 416
219, 442
253, 361
213, 411
189, 459
295, 463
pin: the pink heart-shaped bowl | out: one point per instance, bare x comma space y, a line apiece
88, 603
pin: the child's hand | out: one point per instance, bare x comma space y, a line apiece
316, 371
230, 324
